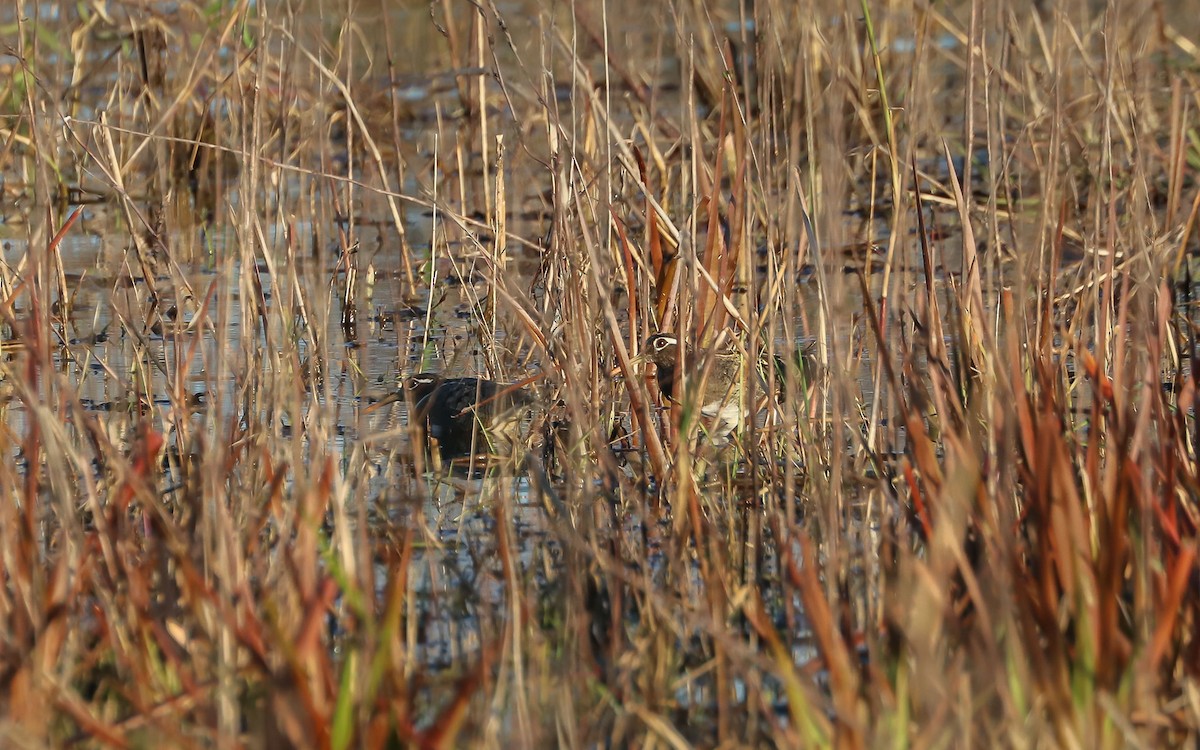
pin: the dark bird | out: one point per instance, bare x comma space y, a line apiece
721, 401
464, 414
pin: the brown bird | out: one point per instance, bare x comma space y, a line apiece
721, 400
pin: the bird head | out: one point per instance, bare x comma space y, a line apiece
421, 385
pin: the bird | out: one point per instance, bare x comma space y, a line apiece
721, 400
464, 414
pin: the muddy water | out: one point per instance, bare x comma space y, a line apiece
438, 326
393, 334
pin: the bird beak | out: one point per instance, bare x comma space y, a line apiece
634, 361
390, 398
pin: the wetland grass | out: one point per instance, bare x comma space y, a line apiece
973, 522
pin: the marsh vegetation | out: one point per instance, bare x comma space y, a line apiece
229, 230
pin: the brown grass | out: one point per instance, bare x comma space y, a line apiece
229, 227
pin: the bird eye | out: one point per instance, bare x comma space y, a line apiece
662, 343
